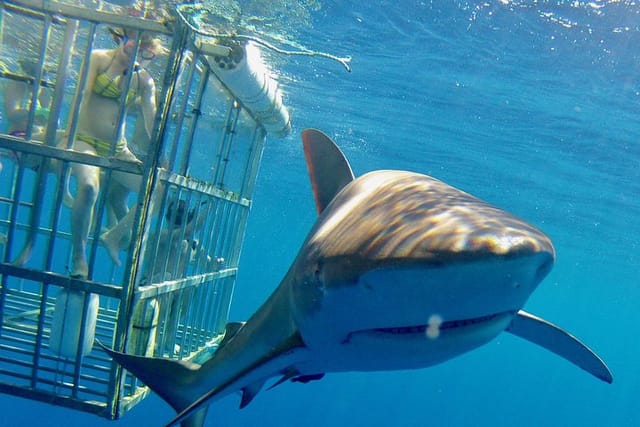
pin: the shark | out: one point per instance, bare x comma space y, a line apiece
400, 271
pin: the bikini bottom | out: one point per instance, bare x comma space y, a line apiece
103, 148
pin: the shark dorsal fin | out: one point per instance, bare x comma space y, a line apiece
328, 168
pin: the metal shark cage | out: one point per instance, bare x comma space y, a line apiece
170, 297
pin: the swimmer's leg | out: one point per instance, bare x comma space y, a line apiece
117, 207
88, 186
120, 234
113, 238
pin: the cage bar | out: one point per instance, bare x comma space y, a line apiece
170, 297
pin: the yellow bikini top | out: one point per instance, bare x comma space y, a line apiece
108, 87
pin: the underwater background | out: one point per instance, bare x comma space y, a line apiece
531, 106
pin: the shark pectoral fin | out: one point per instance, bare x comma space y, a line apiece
329, 170
560, 342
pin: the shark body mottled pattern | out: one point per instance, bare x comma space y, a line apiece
401, 271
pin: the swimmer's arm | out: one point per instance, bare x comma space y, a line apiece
97, 57
15, 94
148, 102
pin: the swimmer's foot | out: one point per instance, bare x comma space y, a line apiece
112, 244
80, 270
125, 241
216, 263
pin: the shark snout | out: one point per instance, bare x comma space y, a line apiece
546, 260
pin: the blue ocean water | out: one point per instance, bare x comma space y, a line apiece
532, 106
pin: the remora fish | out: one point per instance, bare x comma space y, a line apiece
401, 271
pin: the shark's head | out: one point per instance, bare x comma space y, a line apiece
431, 271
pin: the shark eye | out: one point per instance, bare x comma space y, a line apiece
318, 274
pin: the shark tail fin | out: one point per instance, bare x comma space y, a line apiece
329, 170
560, 342
168, 378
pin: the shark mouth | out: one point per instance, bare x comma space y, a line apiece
424, 329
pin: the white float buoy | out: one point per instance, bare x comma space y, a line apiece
144, 323
243, 71
68, 327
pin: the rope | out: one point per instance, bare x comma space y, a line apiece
303, 52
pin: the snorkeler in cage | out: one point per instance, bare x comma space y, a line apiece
178, 245
18, 97
98, 122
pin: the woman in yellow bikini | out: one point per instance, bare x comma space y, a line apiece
99, 130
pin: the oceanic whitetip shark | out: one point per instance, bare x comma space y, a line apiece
400, 271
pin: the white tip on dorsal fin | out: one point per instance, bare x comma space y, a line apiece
559, 341
328, 168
